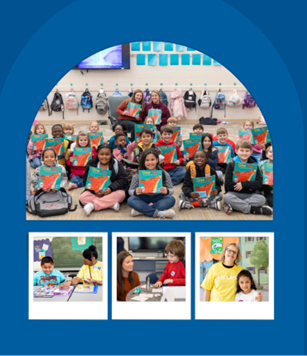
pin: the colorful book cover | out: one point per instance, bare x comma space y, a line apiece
243, 172
268, 137
216, 245
224, 154
129, 162
196, 135
96, 138
156, 115
246, 134
191, 146
71, 138
204, 186
169, 153
63, 291
259, 135
98, 179
176, 132
49, 177
57, 144
268, 173
81, 156
133, 109
45, 292
139, 127
150, 181
39, 142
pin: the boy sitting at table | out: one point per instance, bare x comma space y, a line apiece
48, 275
174, 273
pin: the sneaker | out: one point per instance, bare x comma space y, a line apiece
261, 210
216, 205
115, 207
185, 205
167, 214
88, 208
72, 186
135, 213
267, 210
221, 181
227, 208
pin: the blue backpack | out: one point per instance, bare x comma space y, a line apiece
219, 102
86, 100
163, 98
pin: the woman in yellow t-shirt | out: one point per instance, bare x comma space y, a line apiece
220, 283
90, 272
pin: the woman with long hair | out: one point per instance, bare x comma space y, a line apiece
126, 278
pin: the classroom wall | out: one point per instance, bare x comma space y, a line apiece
153, 77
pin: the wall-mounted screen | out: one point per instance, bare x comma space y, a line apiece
138, 244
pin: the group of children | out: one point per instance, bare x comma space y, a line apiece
126, 159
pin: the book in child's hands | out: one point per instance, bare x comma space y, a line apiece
224, 154
133, 109
156, 115
169, 153
139, 127
243, 172
267, 173
49, 177
81, 156
246, 134
196, 134
204, 186
268, 137
176, 132
259, 135
57, 144
39, 142
98, 179
71, 138
191, 146
45, 292
150, 181
130, 162
63, 291
96, 138
86, 289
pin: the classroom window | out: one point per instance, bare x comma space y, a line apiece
248, 254
251, 270
261, 238
263, 270
249, 239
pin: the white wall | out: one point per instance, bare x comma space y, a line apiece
141, 77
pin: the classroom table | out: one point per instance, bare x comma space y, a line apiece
73, 297
130, 295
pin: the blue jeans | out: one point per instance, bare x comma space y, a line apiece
77, 180
177, 174
160, 202
35, 162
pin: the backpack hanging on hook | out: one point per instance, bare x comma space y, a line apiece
205, 100
219, 102
163, 97
117, 93
190, 99
86, 100
72, 101
45, 106
57, 104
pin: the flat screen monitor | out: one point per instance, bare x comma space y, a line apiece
150, 244
116, 57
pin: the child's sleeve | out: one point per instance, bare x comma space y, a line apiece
35, 279
229, 183
63, 177
179, 155
134, 184
165, 274
208, 282
112, 142
121, 181
232, 151
168, 183
187, 187
213, 159
130, 148
217, 181
256, 184
62, 277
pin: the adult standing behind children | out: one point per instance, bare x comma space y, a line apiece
220, 283
126, 278
156, 103
129, 121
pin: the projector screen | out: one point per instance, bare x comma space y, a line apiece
150, 243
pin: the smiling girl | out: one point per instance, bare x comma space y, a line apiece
210, 150
246, 287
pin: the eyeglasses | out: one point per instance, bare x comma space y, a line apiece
231, 251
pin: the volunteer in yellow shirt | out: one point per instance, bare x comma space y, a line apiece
90, 272
220, 283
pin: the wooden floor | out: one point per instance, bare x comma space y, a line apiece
124, 213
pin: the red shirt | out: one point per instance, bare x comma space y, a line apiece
179, 155
123, 107
176, 272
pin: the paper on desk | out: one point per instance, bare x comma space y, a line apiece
143, 286
139, 298
147, 295
157, 290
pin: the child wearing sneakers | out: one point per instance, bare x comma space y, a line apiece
243, 196
199, 168
175, 170
222, 136
174, 273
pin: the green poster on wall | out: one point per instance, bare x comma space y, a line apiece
216, 245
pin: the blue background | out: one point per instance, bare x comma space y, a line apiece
261, 43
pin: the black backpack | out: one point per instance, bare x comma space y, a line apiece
207, 121
57, 104
50, 204
190, 99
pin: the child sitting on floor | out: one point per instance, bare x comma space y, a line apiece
57, 132
172, 121
199, 129
210, 150
243, 196
120, 128
174, 273
35, 156
257, 149
199, 168
48, 275
150, 121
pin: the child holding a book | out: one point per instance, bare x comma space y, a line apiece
156, 205
199, 168
57, 132
267, 189
243, 196
83, 141
48, 275
120, 128
174, 273
172, 121
210, 150
35, 156
150, 121
175, 169
246, 288
68, 129
197, 128
116, 192
257, 149
49, 159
